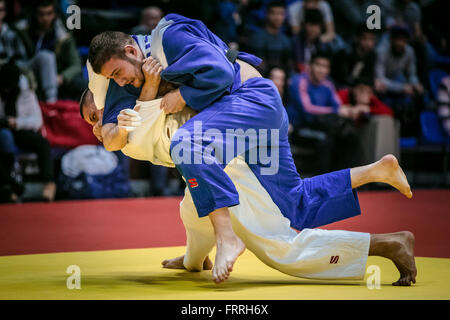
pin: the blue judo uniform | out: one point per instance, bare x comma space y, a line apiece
196, 60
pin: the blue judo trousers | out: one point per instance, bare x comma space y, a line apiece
204, 145
307, 203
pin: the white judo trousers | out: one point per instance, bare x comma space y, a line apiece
258, 222
312, 253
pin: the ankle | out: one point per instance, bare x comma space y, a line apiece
384, 246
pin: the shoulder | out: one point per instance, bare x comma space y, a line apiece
329, 85
117, 93
409, 51
295, 7
302, 79
324, 7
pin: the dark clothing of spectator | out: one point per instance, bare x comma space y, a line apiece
275, 50
19, 103
226, 27
348, 65
303, 51
11, 46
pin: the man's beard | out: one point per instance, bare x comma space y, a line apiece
138, 74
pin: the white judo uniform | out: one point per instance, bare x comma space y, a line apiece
311, 253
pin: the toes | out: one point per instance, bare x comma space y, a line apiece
217, 275
403, 282
221, 275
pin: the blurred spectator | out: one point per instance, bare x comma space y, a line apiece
149, 19
297, 11
350, 14
435, 24
396, 78
278, 76
357, 61
55, 58
11, 46
20, 122
409, 14
270, 44
314, 104
308, 41
362, 101
20, 115
443, 100
377, 129
226, 25
404, 12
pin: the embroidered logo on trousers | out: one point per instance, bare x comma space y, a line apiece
334, 259
193, 182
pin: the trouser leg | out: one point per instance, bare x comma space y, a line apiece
200, 237
35, 142
312, 253
44, 66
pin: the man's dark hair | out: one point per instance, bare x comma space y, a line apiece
321, 54
399, 31
313, 16
275, 4
45, 3
365, 80
85, 96
107, 45
362, 30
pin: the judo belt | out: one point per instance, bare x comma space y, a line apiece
232, 55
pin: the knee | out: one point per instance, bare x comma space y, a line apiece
180, 150
7, 144
45, 57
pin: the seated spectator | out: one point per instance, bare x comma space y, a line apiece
308, 41
443, 104
270, 44
149, 19
297, 11
314, 104
377, 129
20, 122
278, 76
350, 14
55, 58
362, 101
405, 12
396, 79
11, 45
357, 61
409, 13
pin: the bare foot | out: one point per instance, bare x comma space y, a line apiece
388, 170
177, 263
226, 255
401, 252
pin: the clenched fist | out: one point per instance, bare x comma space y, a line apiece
173, 102
152, 71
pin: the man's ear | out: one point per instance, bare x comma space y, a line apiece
130, 50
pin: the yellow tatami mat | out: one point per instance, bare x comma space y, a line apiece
137, 274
